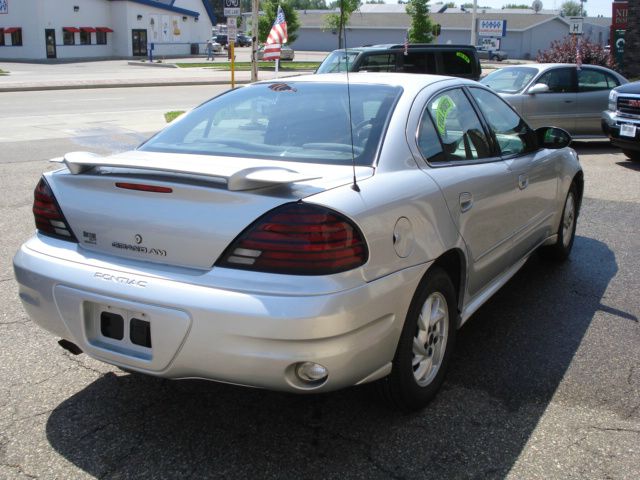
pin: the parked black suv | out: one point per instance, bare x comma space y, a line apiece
243, 40
222, 39
621, 122
454, 60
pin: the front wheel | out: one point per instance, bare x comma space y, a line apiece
424, 350
560, 250
632, 154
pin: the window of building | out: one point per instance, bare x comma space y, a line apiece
101, 35
16, 37
85, 35
69, 35
1, 37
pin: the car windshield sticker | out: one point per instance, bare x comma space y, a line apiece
445, 104
463, 57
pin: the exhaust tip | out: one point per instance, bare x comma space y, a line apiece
70, 347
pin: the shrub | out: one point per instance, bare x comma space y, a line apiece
565, 51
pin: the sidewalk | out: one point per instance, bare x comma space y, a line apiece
116, 73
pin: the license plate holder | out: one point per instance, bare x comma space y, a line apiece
627, 130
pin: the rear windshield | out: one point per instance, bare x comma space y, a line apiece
337, 61
510, 79
306, 122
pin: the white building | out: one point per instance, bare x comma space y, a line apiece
48, 29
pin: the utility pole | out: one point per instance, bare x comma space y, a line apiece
473, 22
255, 5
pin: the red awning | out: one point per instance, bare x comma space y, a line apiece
104, 29
87, 29
11, 29
71, 29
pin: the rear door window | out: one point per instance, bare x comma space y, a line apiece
418, 62
461, 134
379, 62
591, 80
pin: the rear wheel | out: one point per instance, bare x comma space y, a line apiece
632, 154
425, 345
560, 250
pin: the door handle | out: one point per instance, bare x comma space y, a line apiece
466, 201
523, 181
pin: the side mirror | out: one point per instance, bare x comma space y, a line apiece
552, 137
538, 88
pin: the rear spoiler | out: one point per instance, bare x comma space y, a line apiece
243, 179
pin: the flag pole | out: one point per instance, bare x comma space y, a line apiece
277, 66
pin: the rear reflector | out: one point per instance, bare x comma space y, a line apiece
144, 188
48, 216
298, 239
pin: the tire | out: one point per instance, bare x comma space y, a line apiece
424, 349
561, 250
632, 155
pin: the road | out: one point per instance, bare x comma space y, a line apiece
545, 381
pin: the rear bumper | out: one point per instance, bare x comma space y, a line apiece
241, 337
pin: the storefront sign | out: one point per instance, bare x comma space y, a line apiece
231, 8
492, 28
620, 11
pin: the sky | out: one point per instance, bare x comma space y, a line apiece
593, 7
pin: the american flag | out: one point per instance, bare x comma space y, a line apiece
277, 36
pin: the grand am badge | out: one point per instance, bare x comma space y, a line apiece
140, 249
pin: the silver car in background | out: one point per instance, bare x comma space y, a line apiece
303, 234
557, 94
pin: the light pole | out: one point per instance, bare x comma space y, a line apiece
255, 5
473, 22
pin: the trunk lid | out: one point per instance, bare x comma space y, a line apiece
211, 201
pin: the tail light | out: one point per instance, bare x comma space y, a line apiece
49, 218
298, 239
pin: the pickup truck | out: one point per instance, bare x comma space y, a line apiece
621, 122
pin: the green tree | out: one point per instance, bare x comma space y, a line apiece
421, 25
571, 9
309, 4
375, 1
338, 21
516, 6
270, 9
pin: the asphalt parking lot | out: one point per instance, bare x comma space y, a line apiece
545, 382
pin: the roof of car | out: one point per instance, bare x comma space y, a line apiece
407, 81
397, 46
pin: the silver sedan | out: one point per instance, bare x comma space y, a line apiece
557, 94
300, 235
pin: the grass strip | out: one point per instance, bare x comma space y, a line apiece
246, 66
171, 116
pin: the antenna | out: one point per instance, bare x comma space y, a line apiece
355, 186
